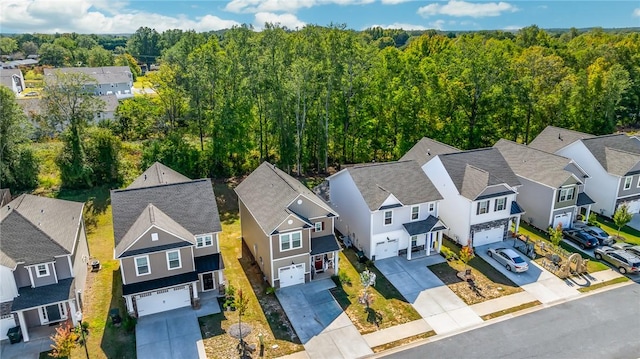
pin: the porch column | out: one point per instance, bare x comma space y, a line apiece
517, 223
23, 326
72, 312
220, 278
194, 289
439, 241
586, 218
428, 242
336, 256
129, 303
409, 250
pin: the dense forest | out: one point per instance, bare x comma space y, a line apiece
324, 96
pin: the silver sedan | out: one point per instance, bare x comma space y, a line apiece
509, 258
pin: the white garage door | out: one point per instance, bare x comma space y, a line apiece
564, 218
291, 275
163, 300
6, 323
634, 206
488, 236
387, 249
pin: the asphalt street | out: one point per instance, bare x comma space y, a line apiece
603, 325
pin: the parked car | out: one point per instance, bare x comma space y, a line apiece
603, 237
619, 258
635, 250
581, 238
508, 258
620, 245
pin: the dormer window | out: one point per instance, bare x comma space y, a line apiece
319, 226
566, 194
42, 270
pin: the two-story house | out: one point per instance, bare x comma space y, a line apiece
552, 189
166, 228
387, 209
110, 80
13, 79
612, 162
479, 192
43, 262
287, 228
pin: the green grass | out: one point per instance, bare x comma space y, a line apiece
630, 235
517, 308
403, 341
603, 284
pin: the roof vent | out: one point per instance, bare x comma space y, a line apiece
42, 211
429, 152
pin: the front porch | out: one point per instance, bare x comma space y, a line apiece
40, 342
323, 259
425, 238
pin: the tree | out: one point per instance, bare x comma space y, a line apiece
466, 254
241, 303
54, 55
18, 165
99, 57
555, 235
144, 45
29, 48
622, 216
8, 45
64, 340
103, 155
128, 60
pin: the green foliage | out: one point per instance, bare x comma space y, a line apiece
593, 220
555, 235
344, 278
176, 152
270, 290
466, 254
622, 216
64, 340
75, 170
448, 253
103, 156
128, 60
8, 45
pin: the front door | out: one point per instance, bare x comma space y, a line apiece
52, 313
207, 282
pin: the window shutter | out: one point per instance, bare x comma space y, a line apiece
322, 226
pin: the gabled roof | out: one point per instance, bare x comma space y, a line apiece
190, 204
5, 196
152, 216
472, 171
36, 229
618, 154
158, 174
267, 192
536, 165
102, 75
552, 139
423, 151
405, 180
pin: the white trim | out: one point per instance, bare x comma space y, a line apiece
154, 236
146, 231
289, 216
567, 190
33, 284
46, 268
55, 272
71, 265
169, 261
487, 201
289, 257
135, 263
290, 234
124, 280
315, 227
629, 180
504, 205
204, 242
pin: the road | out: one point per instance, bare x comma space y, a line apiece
604, 325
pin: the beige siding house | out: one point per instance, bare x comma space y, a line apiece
287, 228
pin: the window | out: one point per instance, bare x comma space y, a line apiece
204, 241
142, 265
483, 207
42, 270
154, 236
415, 212
627, 182
432, 207
501, 204
566, 194
414, 241
388, 218
290, 241
173, 260
319, 226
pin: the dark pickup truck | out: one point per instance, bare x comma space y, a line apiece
581, 238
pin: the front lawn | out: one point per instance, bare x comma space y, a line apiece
630, 235
387, 308
489, 282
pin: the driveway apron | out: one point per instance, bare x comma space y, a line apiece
440, 307
323, 328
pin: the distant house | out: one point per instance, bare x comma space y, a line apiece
287, 228
552, 191
43, 262
5, 196
111, 80
612, 162
13, 79
387, 209
423, 151
32, 107
166, 230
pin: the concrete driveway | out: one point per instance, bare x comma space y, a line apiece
323, 328
438, 305
540, 283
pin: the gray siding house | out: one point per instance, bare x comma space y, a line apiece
287, 228
110, 80
166, 230
43, 262
552, 191
13, 79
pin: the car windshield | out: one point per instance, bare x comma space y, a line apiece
518, 260
636, 264
600, 232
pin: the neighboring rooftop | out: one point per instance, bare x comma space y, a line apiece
618, 154
5, 196
267, 193
158, 174
36, 229
552, 139
404, 179
474, 170
7, 75
533, 164
103, 75
423, 151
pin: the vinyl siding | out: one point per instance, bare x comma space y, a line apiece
50, 279
537, 200
159, 266
79, 265
305, 249
256, 241
164, 238
21, 274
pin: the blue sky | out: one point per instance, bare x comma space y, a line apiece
125, 16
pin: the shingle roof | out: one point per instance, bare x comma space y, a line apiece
6, 76
158, 174
5, 196
324, 244
209, 263
472, 171
534, 164
164, 282
33, 106
405, 180
584, 199
424, 226
34, 297
103, 75
618, 154
423, 151
268, 191
36, 229
191, 204
552, 139
152, 216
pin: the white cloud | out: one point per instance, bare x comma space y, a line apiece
287, 6
288, 20
400, 25
438, 24
394, 2
636, 12
90, 16
462, 8
512, 28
